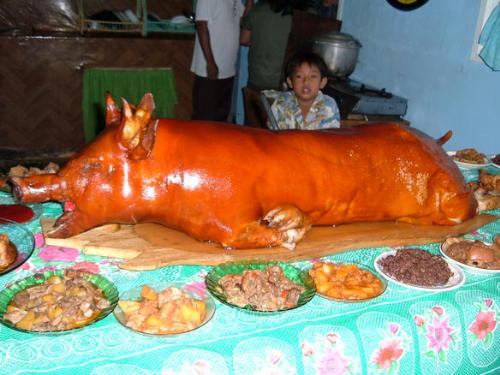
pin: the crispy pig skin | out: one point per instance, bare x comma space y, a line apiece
245, 187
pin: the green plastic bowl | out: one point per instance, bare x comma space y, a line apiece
108, 288
296, 275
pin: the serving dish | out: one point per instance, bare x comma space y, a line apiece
382, 280
296, 275
455, 281
108, 289
492, 158
134, 294
17, 212
22, 238
444, 246
469, 165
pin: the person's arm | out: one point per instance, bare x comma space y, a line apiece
206, 47
246, 25
245, 37
248, 6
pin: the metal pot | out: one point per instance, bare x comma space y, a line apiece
339, 50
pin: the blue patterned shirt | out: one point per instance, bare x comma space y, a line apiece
323, 113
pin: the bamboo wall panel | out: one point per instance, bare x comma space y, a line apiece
41, 83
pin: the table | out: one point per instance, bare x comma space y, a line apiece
404, 331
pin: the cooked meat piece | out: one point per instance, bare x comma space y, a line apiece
267, 290
473, 253
470, 155
8, 252
15, 315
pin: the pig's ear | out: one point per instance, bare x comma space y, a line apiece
146, 107
113, 113
137, 132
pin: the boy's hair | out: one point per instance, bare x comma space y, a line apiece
310, 58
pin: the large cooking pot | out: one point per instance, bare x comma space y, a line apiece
339, 50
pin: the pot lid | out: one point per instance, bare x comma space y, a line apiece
337, 38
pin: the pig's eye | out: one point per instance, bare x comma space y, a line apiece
91, 165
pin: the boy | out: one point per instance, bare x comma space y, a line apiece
306, 107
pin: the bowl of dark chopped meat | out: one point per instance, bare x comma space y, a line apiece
419, 269
260, 286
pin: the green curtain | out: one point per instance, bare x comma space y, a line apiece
128, 83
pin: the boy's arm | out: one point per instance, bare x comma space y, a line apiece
246, 25
206, 47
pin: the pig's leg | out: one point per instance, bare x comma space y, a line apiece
282, 226
71, 224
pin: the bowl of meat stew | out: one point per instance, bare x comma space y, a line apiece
57, 301
473, 255
261, 286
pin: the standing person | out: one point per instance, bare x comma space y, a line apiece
214, 57
305, 106
265, 29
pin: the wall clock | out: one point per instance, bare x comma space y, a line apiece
407, 4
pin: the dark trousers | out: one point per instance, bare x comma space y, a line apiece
212, 98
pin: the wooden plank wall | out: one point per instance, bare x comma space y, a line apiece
41, 83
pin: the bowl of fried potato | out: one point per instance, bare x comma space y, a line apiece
347, 282
163, 309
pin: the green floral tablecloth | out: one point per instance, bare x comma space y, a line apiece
402, 332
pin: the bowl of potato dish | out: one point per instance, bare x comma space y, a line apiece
346, 282
163, 309
57, 301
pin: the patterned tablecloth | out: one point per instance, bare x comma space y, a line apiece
404, 331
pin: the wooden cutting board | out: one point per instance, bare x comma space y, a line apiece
150, 246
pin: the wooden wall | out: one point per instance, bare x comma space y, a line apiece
41, 83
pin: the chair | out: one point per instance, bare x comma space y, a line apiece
267, 100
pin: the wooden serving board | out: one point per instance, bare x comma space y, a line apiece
150, 246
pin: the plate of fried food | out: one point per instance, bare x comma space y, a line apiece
57, 301
16, 245
495, 160
486, 190
419, 269
469, 158
163, 309
473, 255
346, 282
265, 287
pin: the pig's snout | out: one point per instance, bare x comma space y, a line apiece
40, 188
13, 182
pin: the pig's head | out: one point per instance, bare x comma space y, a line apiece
100, 170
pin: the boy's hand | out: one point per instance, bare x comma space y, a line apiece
212, 70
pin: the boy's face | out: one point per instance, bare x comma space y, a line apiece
306, 82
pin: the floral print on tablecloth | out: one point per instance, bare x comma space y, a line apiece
439, 335
392, 347
387, 342
485, 324
327, 350
264, 356
481, 316
195, 362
